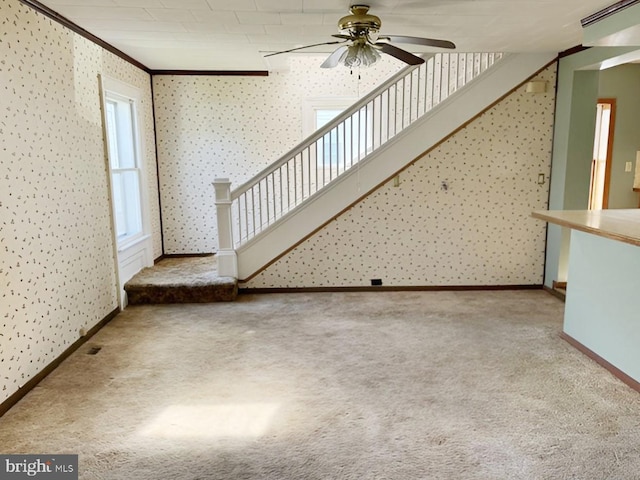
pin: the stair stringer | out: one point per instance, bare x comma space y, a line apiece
383, 164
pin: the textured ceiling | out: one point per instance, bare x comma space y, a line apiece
235, 34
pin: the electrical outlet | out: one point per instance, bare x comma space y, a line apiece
541, 179
628, 167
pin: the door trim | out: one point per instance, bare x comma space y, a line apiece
609, 161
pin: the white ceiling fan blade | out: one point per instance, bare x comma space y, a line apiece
430, 42
334, 59
300, 48
400, 54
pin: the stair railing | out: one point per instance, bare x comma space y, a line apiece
345, 141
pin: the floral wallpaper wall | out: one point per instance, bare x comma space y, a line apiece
461, 215
57, 273
233, 127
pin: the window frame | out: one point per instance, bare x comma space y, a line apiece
310, 109
119, 92
311, 105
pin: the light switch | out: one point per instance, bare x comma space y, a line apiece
628, 166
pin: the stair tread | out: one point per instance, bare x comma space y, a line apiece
192, 271
181, 280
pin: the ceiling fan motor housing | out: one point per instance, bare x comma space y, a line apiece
360, 22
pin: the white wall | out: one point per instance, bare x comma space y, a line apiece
233, 127
57, 272
476, 232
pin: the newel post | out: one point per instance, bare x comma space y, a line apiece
226, 256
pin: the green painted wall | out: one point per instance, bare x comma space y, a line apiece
581, 137
602, 300
577, 93
623, 84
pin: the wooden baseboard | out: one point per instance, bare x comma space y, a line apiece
187, 255
615, 371
556, 293
27, 387
560, 285
453, 288
181, 255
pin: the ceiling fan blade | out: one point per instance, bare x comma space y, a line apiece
400, 54
334, 59
431, 42
300, 48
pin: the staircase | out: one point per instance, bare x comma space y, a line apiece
362, 148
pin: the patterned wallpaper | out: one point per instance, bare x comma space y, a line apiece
233, 127
460, 216
57, 271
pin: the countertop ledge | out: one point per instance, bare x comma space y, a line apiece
620, 225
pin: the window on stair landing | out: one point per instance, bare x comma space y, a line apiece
347, 143
332, 144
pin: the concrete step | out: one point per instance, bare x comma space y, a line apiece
181, 280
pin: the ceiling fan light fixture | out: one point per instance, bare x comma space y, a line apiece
360, 55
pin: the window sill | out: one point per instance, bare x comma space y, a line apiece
127, 244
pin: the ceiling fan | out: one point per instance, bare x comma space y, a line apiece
363, 44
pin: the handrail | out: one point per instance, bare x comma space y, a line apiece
318, 134
347, 140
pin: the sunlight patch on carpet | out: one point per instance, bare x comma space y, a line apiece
248, 420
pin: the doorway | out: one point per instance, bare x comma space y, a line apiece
602, 153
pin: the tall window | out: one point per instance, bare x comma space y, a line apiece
123, 125
124, 166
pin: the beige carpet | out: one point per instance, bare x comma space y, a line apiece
421, 385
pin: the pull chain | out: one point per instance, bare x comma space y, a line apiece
358, 134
